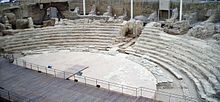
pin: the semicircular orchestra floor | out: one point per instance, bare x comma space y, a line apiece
116, 69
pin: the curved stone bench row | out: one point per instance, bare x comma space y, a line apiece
172, 63
72, 22
185, 42
199, 57
188, 57
45, 46
43, 38
58, 37
161, 77
209, 56
160, 61
111, 31
185, 51
164, 59
66, 33
60, 42
160, 50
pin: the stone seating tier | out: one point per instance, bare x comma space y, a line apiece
180, 56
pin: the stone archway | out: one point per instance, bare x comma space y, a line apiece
52, 12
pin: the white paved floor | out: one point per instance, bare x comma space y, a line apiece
101, 66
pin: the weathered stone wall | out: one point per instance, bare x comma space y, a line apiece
33, 10
200, 8
38, 15
144, 7
141, 7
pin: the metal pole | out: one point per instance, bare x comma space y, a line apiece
141, 91
46, 69
54, 73
64, 74
108, 86
132, 9
136, 92
85, 80
9, 98
84, 7
16, 61
169, 98
122, 89
181, 9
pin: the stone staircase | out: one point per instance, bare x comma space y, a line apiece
182, 55
100, 36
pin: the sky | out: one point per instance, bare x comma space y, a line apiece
2, 1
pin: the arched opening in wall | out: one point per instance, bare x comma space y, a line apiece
129, 33
52, 12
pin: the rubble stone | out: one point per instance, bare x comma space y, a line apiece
203, 30
22, 23
109, 12
93, 11
177, 28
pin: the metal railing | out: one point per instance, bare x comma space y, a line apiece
11, 96
124, 89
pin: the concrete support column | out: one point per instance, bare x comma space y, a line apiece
84, 7
132, 9
181, 10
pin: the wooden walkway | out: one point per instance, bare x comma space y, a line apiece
39, 87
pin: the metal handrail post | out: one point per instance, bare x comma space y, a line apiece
108, 86
169, 97
141, 91
46, 69
9, 98
136, 91
64, 74
122, 89
54, 73
16, 61
85, 80
24, 63
155, 95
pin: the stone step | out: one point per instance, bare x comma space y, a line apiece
174, 48
77, 26
209, 76
39, 36
45, 46
173, 61
154, 68
51, 42
69, 31
202, 56
184, 42
204, 83
69, 23
18, 49
208, 56
188, 73
74, 38
181, 50
74, 29
167, 64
